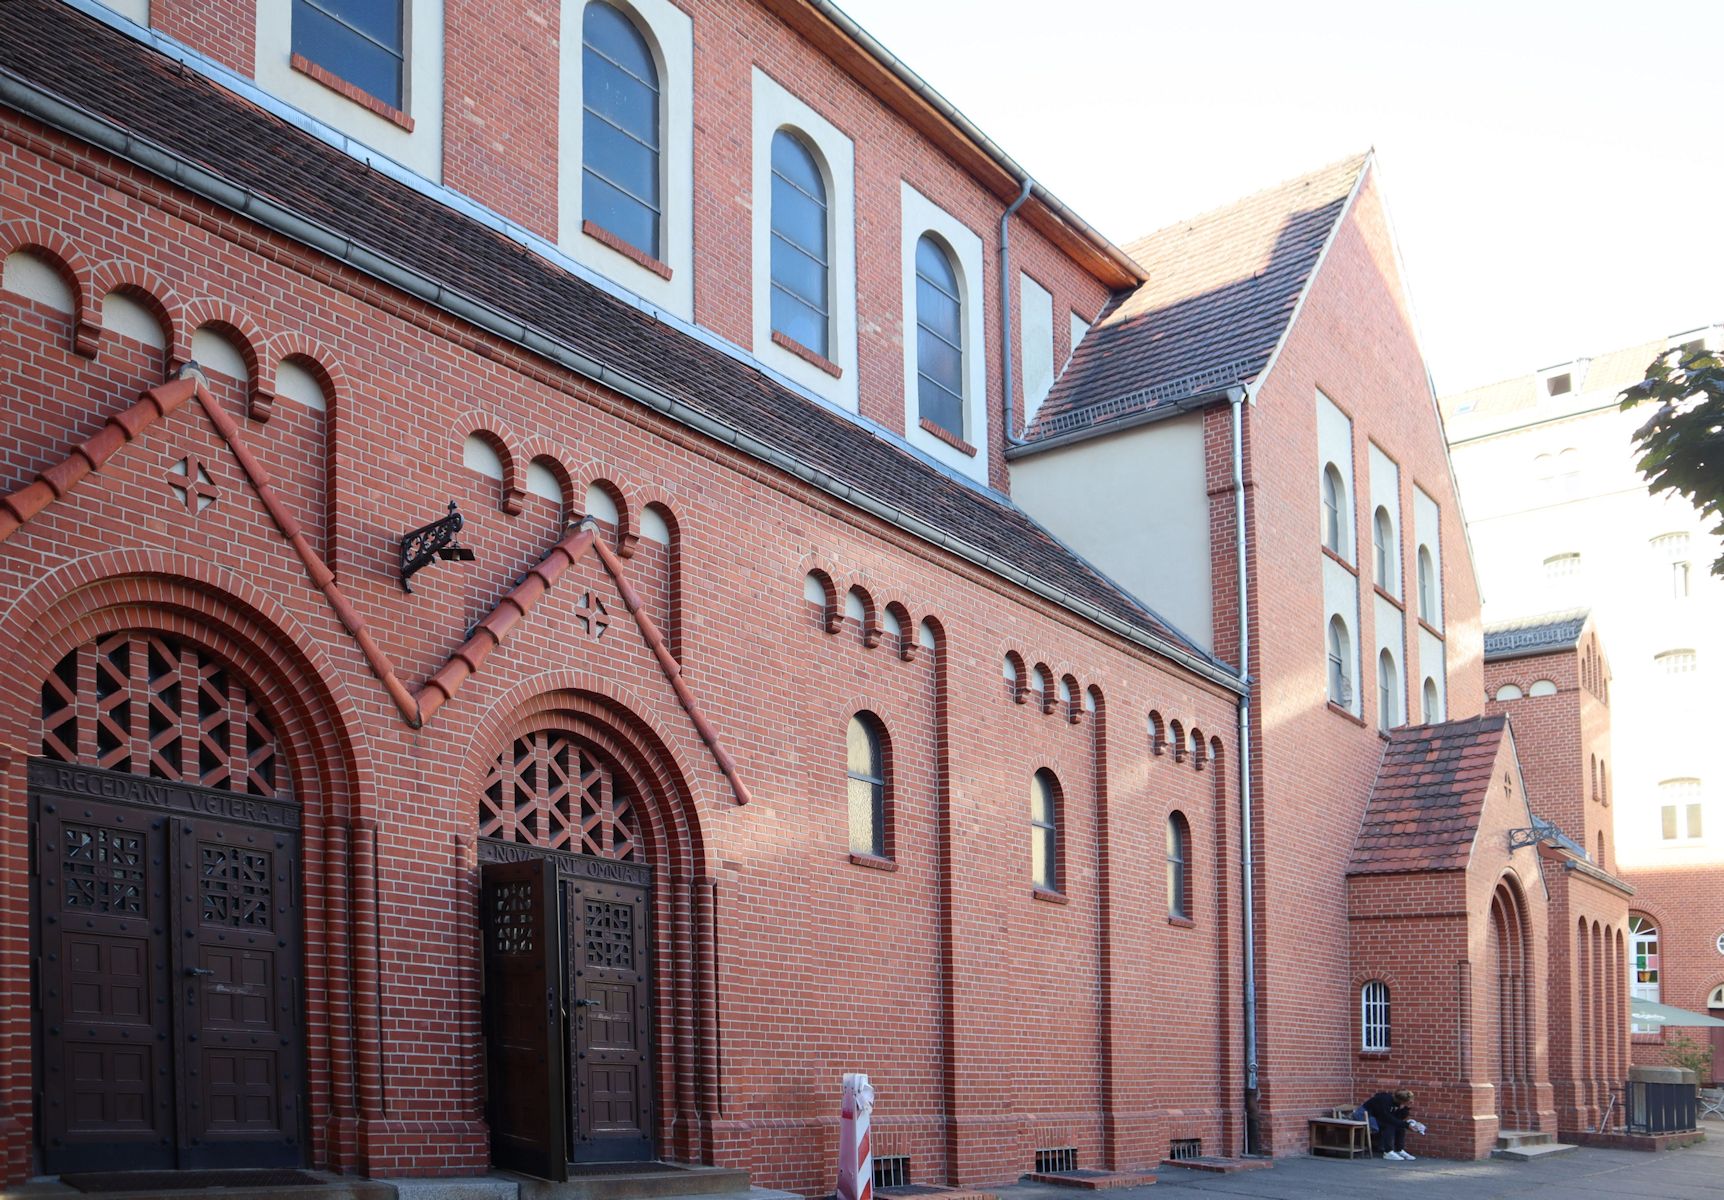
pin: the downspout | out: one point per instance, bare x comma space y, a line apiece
1253, 1116
1012, 439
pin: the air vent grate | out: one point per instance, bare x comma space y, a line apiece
892, 1171
1180, 1148
1062, 1158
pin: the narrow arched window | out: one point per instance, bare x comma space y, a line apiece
1374, 1016
1643, 966
1427, 587
939, 338
801, 271
1178, 866
620, 130
1044, 831
1340, 663
866, 767
1334, 506
1383, 544
1388, 692
1432, 704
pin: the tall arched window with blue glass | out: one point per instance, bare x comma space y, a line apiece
801, 259
939, 338
620, 185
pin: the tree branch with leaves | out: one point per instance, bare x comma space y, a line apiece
1682, 444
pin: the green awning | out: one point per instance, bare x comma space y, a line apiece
1650, 1012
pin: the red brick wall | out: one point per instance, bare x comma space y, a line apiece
1687, 905
225, 30
1314, 766
976, 1007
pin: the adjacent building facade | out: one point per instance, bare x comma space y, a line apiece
551, 623
1560, 516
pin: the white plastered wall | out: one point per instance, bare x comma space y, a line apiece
1335, 445
921, 215
1428, 532
132, 10
420, 150
670, 34
1391, 634
1134, 505
1035, 342
1079, 327
835, 155
1433, 662
1341, 598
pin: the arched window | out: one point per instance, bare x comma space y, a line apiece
1432, 705
1374, 1016
620, 130
1509, 691
1643, 967
801, 258
1334, 505
1427, 587
1044, 831
866, 767
939, 338
1383, 545
1178, 866
1340, 663
1388, 692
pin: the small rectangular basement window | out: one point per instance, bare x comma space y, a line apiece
1180, 1148
1063, 1158
891, 1171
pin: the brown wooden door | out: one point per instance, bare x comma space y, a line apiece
609, 1022
167, 963
236, 953
524, 1016
103, 988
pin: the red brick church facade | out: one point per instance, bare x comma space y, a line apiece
555, 857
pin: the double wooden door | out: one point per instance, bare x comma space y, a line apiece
166, 972
568, 1012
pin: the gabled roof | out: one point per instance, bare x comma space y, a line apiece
1222, 290
1534, 635
1430, 792
102, 72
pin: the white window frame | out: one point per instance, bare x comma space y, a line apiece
669, 34
419, 149
1642, 929
922, 216
1374, 1017
775, 108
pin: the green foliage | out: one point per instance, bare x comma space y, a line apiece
1690, 1053
1682, 445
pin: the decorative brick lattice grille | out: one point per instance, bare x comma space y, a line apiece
151, 705
610, 936
103, 869
512, 918
233, 886
549, 790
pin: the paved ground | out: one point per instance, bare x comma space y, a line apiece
1696, 1173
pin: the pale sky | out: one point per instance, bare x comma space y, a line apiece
1554, 170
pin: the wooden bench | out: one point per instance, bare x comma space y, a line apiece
1339, 1134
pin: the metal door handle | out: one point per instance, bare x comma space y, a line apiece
194, 972
586, 1003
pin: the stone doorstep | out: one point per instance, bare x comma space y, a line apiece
915, 1191
1509, 1139
1219, 1165
1531, 1153
331, 1187
652, 1182
1093, 1181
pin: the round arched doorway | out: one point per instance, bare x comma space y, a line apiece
584, 873
165, 913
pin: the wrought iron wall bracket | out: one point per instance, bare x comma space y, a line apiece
1540, 829
433, 541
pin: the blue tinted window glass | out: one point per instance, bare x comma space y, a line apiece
355, 40
940, 338
620, 132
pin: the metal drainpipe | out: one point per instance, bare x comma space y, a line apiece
1012, 439
1253, 1118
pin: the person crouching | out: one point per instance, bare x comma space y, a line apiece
1391, 1114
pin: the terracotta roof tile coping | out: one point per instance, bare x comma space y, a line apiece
19, 507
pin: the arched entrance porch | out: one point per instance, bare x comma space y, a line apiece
1510, 1009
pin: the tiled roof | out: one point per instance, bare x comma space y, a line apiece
1222, 288
1430, 790
117, 79
1534, 635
